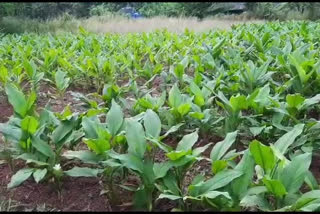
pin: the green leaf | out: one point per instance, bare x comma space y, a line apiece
246, 166
256, 130
91, 125
263, 155
294, 174
275, 187
307, 199
17, 100
3, 75
29, 124
65, 128
222, 147
255, 201
238, 103
39, 174
184, 109
82, 172
172, 129
130, 161
99, 146
42, 147
215, 194
197, 115
20, 177
114, 118
187, 142
175, 155
10, 131
199, 99
219, 165
169, 196
175, 97
294, 100
221, 179
29, 67
179, 71
152, 124
62, 82
160, 169
136, 138
287, 139
85, 156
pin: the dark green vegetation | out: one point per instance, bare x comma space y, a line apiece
162, 100
271, 10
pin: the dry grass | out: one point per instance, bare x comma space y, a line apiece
177, 25
120, 24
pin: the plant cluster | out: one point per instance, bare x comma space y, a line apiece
255, 87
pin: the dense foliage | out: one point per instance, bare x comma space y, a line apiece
271, 10
257, 87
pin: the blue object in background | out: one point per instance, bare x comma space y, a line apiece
130, 11
136, 15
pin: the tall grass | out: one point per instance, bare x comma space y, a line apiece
119, 24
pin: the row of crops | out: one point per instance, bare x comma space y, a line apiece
255, 88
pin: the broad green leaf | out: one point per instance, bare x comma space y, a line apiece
85, 156
17, 100
294, 174
263, 155
114, 118
219, 165
130, 161
294, 100
175, 155
62, 131
168, 196
172, 129
184, 109
152, 124
199, 99
91, 126
160, 169
311, 101
197, 115
255, 201
42, 147
179, 71
39, 174
238, 103
62, 82
99, 146
222, 147
3, 74
20, 177
136, 138
256, 130
29, 124
82, 172
221, 179
175, 97
246, 165
307, 199
187, 141
10, 131
287, 139
215, 194
275, 187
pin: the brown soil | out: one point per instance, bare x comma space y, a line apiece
78, 194
5, 109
